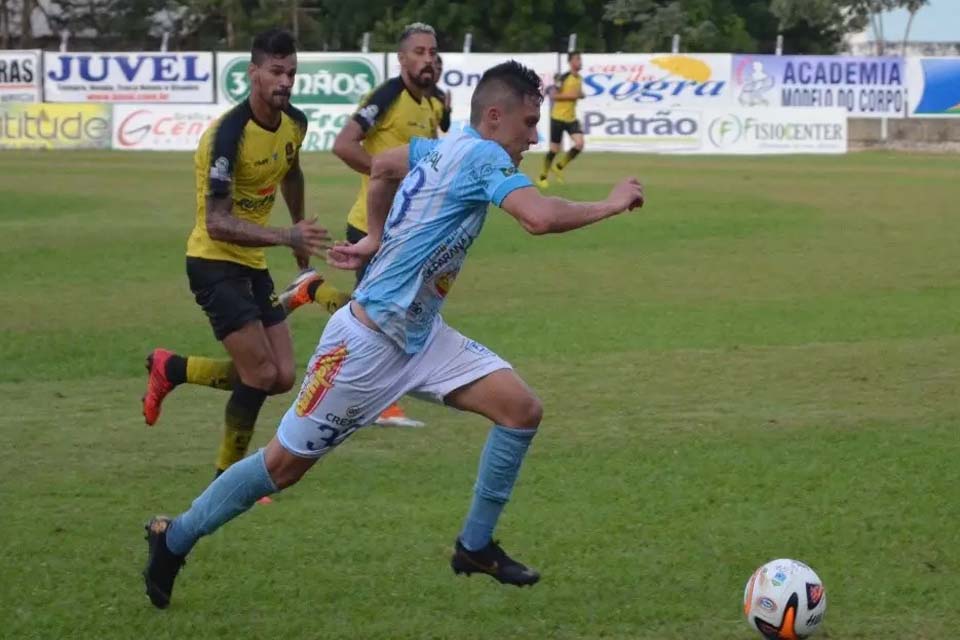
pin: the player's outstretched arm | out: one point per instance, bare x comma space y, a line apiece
347, 147
539, 214
388, 170
292, 187
304, 237
386, 173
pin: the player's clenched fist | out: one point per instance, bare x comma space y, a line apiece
627, 194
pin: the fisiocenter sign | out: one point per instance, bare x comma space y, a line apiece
772, 131
322, 78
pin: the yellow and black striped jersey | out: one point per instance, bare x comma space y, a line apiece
390, 116
566, 110
239, 157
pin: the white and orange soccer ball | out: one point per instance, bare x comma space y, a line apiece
784, 600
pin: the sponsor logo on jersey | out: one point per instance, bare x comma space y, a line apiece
256, 204
444, 282
320, 380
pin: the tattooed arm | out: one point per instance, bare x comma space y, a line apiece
223, 226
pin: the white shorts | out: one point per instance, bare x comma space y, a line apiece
357, 372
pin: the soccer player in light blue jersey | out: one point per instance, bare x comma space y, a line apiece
391, 340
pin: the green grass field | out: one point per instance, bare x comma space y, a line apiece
763, 362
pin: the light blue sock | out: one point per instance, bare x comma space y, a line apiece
228, 496
499, 465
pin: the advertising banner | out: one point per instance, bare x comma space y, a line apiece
643, 130
128, 77
161, 127
716, 131
55, 126
773, 131
462, 72
19, 76
323, 124
322, 78
612, 81
179, 127
934, 87
867, 87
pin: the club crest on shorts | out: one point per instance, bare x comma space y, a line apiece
444, 282
319, 380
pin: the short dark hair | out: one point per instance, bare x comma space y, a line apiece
571, 55
278, 43
510, 80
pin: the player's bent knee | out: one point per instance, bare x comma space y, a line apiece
263, 376
284, 381
526, 413
287, 478
285, 469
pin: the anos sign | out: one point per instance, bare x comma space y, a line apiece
322, 79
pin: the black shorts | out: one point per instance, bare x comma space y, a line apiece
557, 127
233, 295
354, 236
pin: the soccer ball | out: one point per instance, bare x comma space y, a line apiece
784, 600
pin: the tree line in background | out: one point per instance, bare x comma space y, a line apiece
749, 26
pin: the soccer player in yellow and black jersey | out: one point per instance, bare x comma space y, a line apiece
563, 118
242, 159
396, 111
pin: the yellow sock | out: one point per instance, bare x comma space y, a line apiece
330, 298
240, 416
547, 161
211, 372
233, 446
567, 158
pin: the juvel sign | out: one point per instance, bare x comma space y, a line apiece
128, 77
